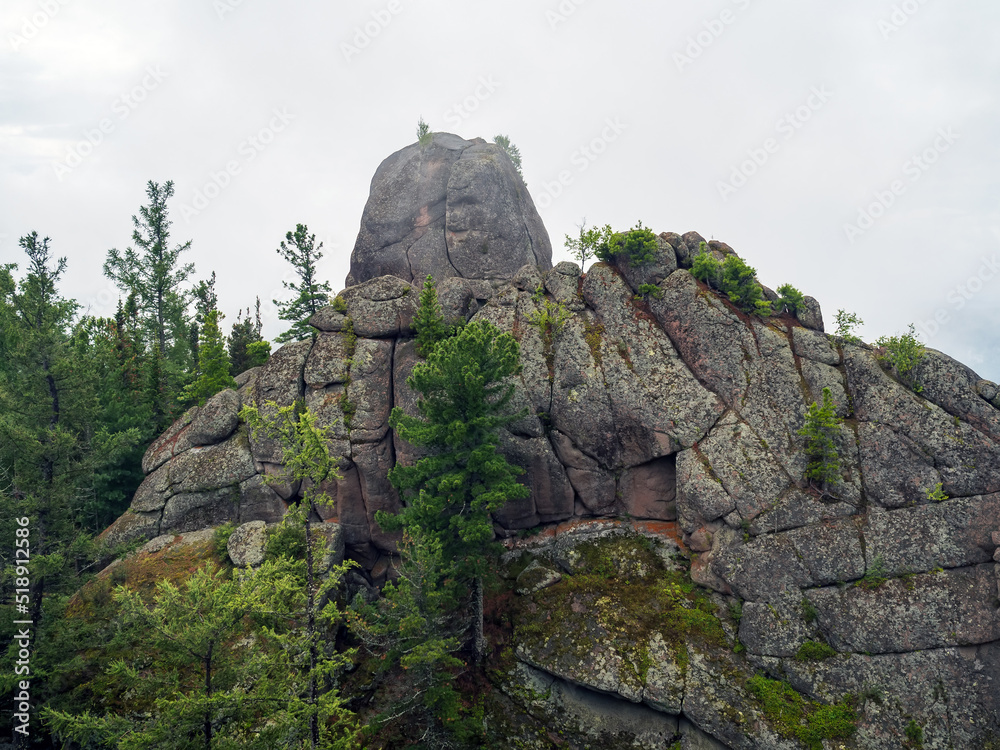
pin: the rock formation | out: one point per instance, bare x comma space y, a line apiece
678, 409
448, 207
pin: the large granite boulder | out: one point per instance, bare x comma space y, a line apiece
449, 207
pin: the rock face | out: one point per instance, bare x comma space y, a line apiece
449, 207
672, 407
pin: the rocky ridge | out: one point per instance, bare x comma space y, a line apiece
677, 409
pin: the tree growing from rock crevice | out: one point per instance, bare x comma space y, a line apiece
821, 430
300, 249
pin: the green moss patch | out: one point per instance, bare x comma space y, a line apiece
796, 717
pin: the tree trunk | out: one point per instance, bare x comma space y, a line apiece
479, 643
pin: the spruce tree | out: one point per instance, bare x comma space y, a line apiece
820, 430
213, 364
247, 347
429, 322
300, 249
152, 271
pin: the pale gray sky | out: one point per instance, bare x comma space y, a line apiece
848, 148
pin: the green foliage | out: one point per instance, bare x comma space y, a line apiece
465, 394
914, 734
213, 363
550, 319
152, 272
340, 304
300, 249
638, 245
794, 716
584, 247
733, 278
429, 322
790, 299
449, 494
220, 539
510, 149
218, 661
424, 134
650, 290
247, 347
937, 494
821, 429
846, 323
809, 612
736, 611
903, 353
814, 651
876, 574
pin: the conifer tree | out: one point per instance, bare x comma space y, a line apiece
247, 347
213, 364
300, 249
151, 270
429, 322
820, 430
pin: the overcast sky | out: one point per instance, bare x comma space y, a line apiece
849, 148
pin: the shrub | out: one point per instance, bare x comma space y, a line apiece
220, 540
637, 244
937, 494
732, 277
820, 430
650, 290
790, 299
903, 353
846, 323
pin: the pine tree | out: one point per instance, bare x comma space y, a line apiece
429, 322
247, 347
213, 364
510, 149
152, 271
217, 662
300, 249
820, 430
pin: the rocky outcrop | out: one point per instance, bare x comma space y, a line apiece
671, 408
448, 207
